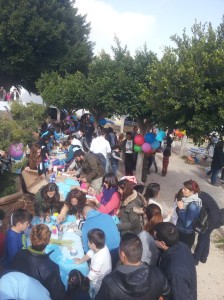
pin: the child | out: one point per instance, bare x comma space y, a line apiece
166, 157
100, 259
115, 158
15, 237
78, 286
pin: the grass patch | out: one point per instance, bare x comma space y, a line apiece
7, 184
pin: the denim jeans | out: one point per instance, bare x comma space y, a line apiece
114, 169
215, 173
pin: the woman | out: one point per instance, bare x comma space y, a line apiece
47, 201
150, 251
74, 203
34, 173
130, 221
108, 201
35, 263
188, 210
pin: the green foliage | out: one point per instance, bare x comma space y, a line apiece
24, 120
188, 83
41, 36
8, 185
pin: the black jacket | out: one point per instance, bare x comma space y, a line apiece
218, 156
128, 282
178, 265
42, 268
212, 210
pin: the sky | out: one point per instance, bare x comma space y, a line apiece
150, 22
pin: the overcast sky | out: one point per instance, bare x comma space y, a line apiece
136, 22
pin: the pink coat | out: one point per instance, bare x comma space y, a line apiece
112, 206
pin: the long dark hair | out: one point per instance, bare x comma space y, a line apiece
154, 216
110, 179
80, 196
50, 187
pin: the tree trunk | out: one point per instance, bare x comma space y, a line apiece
183, 145
122, 124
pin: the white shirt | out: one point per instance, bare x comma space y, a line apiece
100, 145
100, 266
76, 142
151, 201
129, 147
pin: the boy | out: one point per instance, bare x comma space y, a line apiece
15, 237
115, 158
100, 259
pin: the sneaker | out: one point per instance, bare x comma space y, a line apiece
215, 184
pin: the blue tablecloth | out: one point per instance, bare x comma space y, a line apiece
61, 254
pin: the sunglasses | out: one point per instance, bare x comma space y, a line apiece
51, 188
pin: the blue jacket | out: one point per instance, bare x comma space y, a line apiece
70, 154
186, 217
96, 219
178, 265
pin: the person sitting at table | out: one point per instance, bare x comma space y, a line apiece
96, 219
34, 174
70, 153
47, 201
74, 203
108, 201
36, 263
92, 170
100, 257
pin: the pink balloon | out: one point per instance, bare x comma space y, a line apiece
139, 139
146, 148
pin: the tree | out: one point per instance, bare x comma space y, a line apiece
188, 82
41, 36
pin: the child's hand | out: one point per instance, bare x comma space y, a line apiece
48, 219
77, 261
180, 204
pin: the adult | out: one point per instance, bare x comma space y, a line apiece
133, 279
130, 221
34, 174
176, 262
14, 94
101, 145
203, 243
217, 162
74, 203
47, 201
35, 263
70, 152
96, 219
188, 210
16, 285
150, 251
92, 170
128, 149
108, 201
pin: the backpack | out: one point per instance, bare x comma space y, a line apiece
221, 216
102, 160
201, 223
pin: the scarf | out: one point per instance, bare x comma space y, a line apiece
107, 194
192, 198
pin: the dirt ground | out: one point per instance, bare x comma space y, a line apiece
210, 275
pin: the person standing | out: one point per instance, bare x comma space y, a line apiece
2, 93
203, 244
217, 162
176, 262
128, 148
14, 94
166, 160
133, 279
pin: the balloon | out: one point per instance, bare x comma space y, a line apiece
137, 148
146, 148
155, 145
160, 135
139, 139
149, 137
102, 122
16, 151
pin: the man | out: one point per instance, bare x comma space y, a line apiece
2, 94
176, 262
101, 145
133, 279
91, 169
96, 219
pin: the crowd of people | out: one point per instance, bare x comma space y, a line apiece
133, 250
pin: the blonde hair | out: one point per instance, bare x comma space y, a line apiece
40, 237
